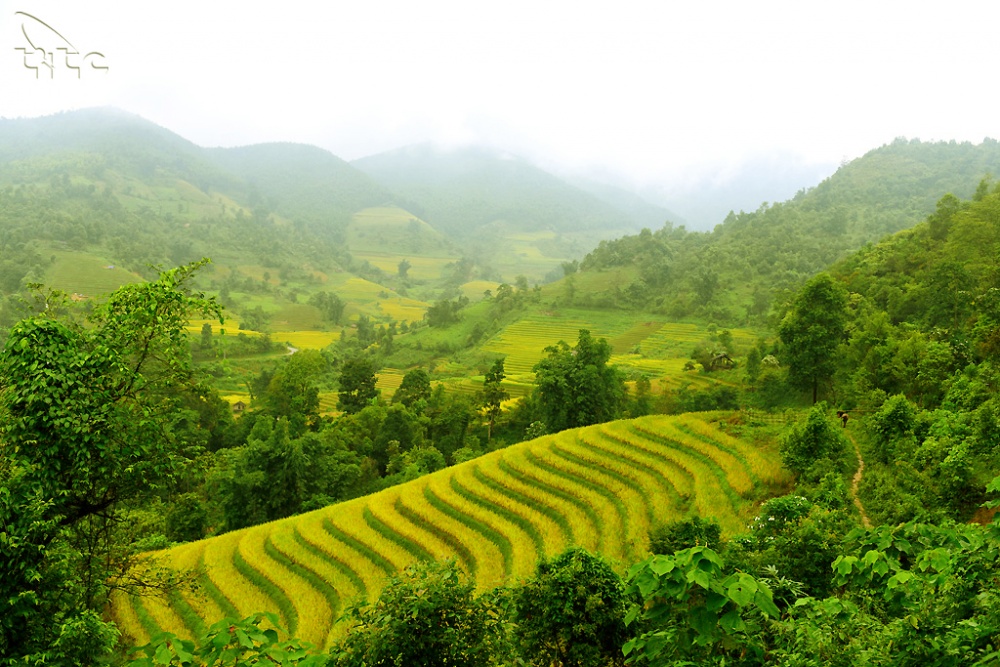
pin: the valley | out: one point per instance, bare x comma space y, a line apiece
448, 377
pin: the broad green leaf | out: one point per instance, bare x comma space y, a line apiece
743, 590
766, 604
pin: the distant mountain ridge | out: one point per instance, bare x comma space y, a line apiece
463, 191
301, 180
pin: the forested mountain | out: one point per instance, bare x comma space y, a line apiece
301, 182
471, 191
640, 210
703, 200
730, 274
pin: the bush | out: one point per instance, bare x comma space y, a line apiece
187, 519
684, 534
572, 613
426, 617
808, 445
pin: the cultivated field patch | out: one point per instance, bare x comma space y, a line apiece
603, 487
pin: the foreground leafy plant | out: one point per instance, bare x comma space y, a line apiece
229, 642
690, 610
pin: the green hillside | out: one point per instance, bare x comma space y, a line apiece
100, 188
602, 487
300, 182
731, 274
511, 216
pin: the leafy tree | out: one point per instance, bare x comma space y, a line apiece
798, 540
415, 387
330, 306
691, 612
85, 432
403, 268
812, 332
445, 312
206, 336
187, 519
893, 429
817, 440
642, 403
275, 475
400, 427
493, 395
753, 366
706, 283
357, 384
572, 612
426, 617
293, 390
450, 416
576, 387
255, 319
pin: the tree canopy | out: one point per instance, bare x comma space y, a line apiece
812, 332
86, 429
576, 386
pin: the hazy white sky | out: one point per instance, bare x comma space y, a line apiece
648, 89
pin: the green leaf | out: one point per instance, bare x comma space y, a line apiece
243, 639
661, 565
703, 621
163, 654
743, 590
766, 604
732, 622
898, 579
844, 564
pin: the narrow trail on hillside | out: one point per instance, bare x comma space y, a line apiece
857, 480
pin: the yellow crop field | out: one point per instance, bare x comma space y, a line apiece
602, 487
308, 340
422, 267
392, 230
657, 349
388, 380
328, 401
402, 309
231, 326
474, 290
524, 341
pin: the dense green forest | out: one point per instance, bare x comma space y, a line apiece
732, 274
114, 439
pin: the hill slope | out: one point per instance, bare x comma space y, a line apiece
301, 181
508, 213
730, 274
601, 487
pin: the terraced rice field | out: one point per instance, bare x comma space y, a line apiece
602, 487
328, 401
86, 275
524, 341
422, 267
388, 380
307, 340
663, 348
391, 230
402, 309
671, 337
